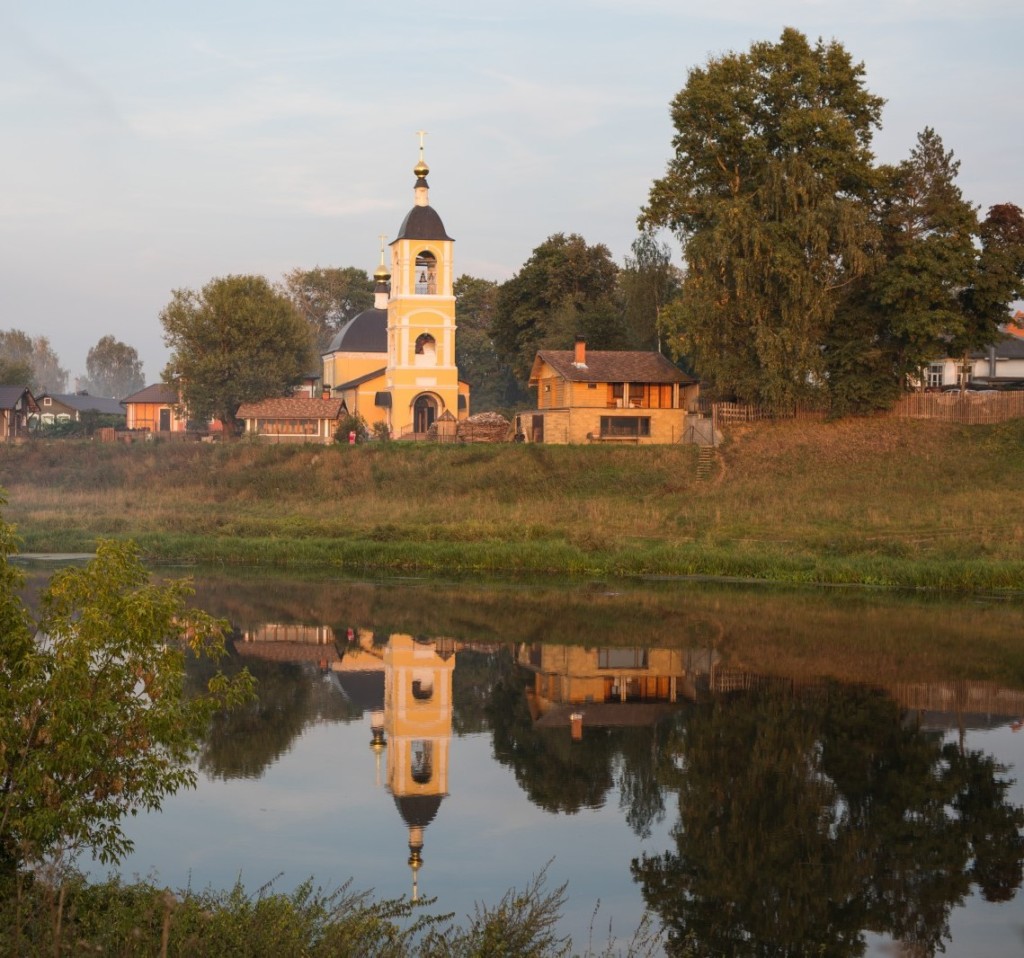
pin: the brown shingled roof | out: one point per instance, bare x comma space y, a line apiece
291, 407
611, 366
161, 393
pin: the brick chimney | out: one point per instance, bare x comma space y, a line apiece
580, 354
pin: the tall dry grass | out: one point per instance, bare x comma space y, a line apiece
873, 501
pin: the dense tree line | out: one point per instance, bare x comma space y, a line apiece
811, 272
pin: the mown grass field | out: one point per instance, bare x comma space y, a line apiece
876, 501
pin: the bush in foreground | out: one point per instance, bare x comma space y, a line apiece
113, 918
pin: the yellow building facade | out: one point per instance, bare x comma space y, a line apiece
395, 363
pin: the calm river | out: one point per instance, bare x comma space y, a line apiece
767, 772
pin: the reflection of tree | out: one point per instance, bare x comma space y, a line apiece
557, 774
561, 775
472, 681
243, 743
638, 777
806, 821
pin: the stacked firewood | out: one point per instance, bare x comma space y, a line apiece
485, 427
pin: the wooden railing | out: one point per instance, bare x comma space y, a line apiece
968, 408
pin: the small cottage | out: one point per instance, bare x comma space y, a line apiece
156, 408
292, 419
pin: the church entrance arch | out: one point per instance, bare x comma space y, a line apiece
424, 412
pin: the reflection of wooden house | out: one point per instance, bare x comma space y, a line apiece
604, 687
607, 396
574, 675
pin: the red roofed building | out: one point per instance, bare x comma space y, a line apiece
293, 419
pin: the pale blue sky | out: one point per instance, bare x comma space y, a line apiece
153, 146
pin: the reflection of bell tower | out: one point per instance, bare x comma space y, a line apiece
418, 726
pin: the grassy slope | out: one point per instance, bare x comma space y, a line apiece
868, 501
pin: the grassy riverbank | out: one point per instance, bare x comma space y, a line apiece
879, 502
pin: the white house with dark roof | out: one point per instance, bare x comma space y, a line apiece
72, 407
999, 365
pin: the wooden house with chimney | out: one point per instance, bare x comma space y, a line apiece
607, 396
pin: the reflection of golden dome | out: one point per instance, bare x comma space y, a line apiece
381, 274
421, 169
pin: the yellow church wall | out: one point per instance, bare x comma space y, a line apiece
344, 367
362, 401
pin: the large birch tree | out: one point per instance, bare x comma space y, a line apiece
772, 163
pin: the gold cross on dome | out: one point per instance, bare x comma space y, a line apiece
421, 134
382, 238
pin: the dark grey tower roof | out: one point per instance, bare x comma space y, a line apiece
422, 223
418, 811
365, 333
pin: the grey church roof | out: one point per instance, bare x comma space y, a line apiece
422, 223
366, 332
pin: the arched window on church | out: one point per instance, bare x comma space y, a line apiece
426, 350
426, 273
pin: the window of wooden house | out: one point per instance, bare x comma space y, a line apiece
625, 427
622, 658
638, 394
934, 375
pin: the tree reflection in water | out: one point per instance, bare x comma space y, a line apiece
807, 819
291, 696
560, 775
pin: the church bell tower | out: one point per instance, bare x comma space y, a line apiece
421, 373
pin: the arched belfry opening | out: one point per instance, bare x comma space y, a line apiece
426, 350
426, 273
